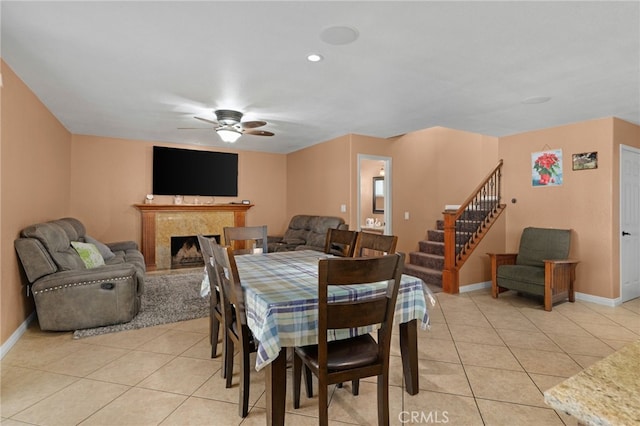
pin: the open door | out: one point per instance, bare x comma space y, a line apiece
374, 194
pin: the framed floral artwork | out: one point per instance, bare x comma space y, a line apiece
546, 168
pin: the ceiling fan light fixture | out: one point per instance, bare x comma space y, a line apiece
229, 135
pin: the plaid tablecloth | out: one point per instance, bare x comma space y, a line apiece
281, 297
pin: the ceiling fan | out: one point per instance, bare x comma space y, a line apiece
230, 127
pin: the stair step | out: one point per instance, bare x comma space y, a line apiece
435, 235
463, 225
429, 276
426, 260
431, 247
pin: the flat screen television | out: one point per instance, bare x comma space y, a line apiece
190, 172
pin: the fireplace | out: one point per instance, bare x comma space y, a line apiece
162, 221
185, 251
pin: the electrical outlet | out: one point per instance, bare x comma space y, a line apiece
406, 215
343, 208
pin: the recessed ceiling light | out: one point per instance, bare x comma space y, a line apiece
536, 100
314, 57
339, 35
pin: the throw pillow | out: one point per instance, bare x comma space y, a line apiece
104, 250
89, 254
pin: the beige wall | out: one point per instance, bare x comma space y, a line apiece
430, 168
586, 202
319, 180
110, 175
35, 176
435, 167
46, 173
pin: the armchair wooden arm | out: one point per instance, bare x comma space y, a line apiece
559, 275
499, 259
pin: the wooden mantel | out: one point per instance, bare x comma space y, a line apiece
161, 221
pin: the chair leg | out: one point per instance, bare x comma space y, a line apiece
228, 360
323, 403
308, 375
244, 381
297, 373
355, 387
215, 332
383, 400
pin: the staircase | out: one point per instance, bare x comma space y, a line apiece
447, 247
428, 262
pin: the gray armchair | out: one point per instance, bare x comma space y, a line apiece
541, 266
68, 294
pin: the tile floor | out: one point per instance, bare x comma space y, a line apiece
484, 361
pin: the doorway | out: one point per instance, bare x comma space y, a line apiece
368, 206
629, 223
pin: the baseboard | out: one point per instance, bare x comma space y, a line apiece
598, 300
579, 296
6, 346
474, 287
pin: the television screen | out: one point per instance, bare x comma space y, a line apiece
190, 172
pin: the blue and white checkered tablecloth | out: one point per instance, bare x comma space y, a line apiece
281, 297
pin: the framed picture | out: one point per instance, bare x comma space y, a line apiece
546, 168
585, 161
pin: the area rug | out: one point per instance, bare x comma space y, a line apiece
167, 298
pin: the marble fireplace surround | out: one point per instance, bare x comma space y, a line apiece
162, 221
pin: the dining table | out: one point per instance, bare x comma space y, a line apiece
281, 304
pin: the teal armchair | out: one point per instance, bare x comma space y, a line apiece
541, 267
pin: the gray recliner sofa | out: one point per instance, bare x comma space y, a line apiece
305, 232
68, 294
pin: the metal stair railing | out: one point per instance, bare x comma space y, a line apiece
465, 227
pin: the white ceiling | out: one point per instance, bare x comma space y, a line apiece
141, 70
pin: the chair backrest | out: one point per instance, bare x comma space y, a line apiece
340, 242
537, 244
246, 239
206, 248
378, 243
229, 282
377, 310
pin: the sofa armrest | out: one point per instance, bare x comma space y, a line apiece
68, 279
123, 246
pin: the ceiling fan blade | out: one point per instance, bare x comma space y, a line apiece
194, 128
259, 133
215, 123
252, 124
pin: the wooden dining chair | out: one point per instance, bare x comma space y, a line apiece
357, 357
236, 331
246, 239
370, 244
340, 242
215, 309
